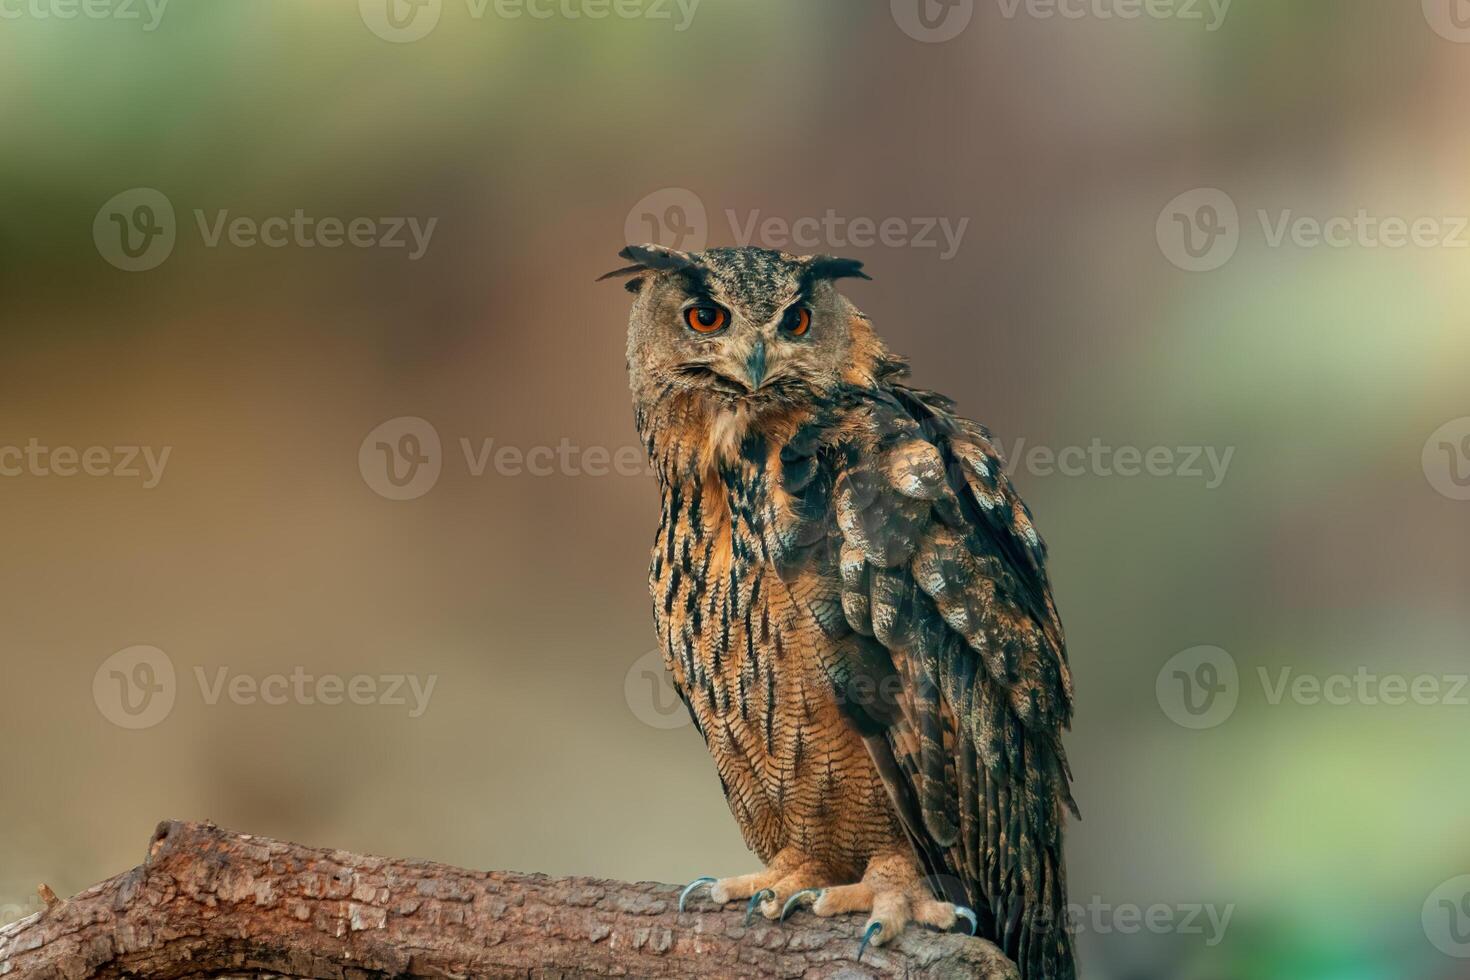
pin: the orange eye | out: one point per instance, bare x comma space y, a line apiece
798, 321
706, 319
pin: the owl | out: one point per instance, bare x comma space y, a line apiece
853, 603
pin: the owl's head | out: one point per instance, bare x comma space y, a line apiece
746, 327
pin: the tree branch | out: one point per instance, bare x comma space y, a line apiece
206, 902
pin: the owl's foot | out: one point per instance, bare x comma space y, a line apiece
765, 891
893, 894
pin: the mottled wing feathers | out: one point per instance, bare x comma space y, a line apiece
950, 650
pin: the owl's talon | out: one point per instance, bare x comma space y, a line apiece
755, 900
873, 929
790, 902
684, 895
960, 912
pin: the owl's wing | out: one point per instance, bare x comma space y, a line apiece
920, 561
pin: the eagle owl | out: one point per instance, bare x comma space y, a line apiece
853, 603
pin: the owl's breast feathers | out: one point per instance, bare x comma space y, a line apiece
862, 564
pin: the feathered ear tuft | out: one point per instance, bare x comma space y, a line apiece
830, 267
654, 258
650, 259
657, 258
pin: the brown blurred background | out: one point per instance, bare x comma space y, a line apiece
1084, 162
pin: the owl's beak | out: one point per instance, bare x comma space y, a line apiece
755, 365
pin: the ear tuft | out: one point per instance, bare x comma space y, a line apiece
658, 257
832, 267
655, 258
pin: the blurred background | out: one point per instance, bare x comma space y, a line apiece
321, 501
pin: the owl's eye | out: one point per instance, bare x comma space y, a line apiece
706, 319
798, 321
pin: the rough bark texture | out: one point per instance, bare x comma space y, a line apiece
206, 902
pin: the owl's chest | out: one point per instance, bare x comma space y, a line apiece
733, 635
747, 654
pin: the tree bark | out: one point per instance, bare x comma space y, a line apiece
206, 902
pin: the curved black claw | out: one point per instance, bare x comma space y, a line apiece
960, 912
790, 902
873, 929
755, 900
684, 895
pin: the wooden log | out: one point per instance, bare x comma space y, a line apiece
207, 902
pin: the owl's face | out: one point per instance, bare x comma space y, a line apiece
739, 326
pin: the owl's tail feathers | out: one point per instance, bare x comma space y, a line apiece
1035, 931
